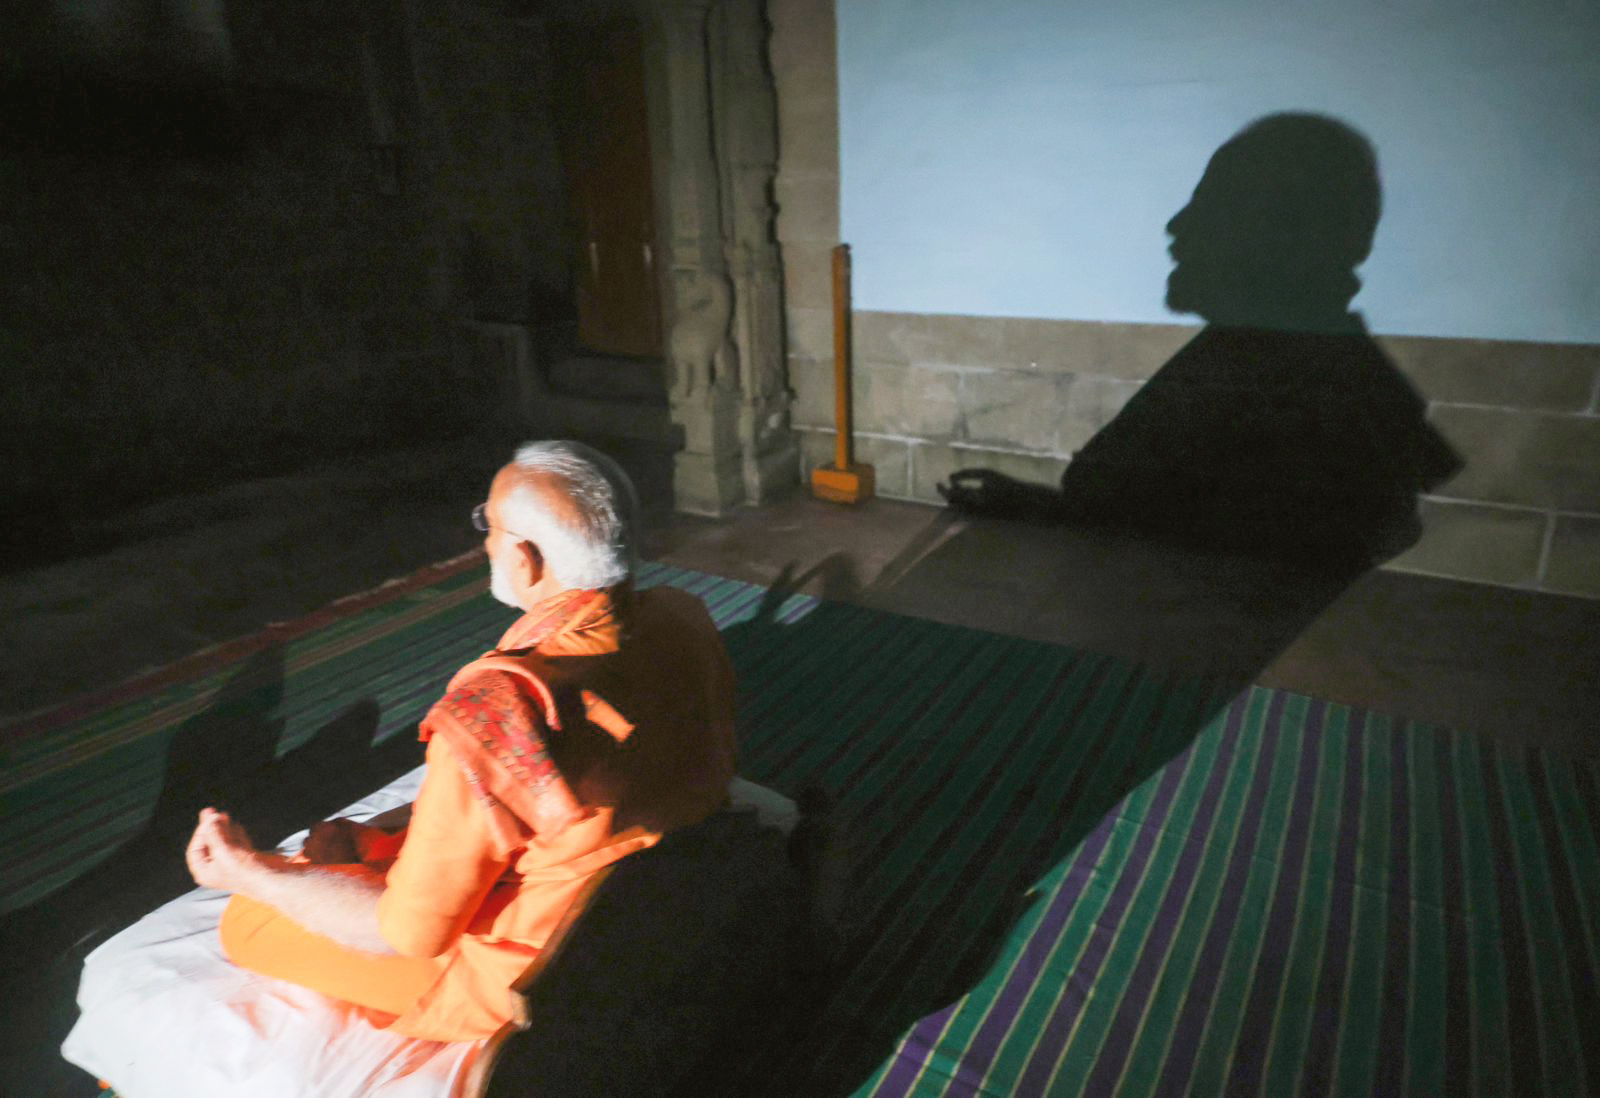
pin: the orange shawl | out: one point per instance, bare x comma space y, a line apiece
498, 711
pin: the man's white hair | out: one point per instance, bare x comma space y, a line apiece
596, 551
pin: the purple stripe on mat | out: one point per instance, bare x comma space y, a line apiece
1316, 1075
1118, 1043
1250, 1059
924, 953
1522, 1027
1095, 950
1389, 1077
1191, 1024
906, 1068
1458, 1050
926, 1032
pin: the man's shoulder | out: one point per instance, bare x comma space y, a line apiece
493, 693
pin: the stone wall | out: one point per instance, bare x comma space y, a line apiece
937, 393
243, 275
806, 190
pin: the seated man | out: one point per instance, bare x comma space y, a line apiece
603, 719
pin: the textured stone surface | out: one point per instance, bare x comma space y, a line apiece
808, 274
810, 333
1556, 377
1492, 544
808, 208
812, 381
1574, 564
1063, 346
890, 459
1531, 458
932, 463
1129, 351
803, 50
907, 400
808, 135
1011, 410
967, 390
930, 339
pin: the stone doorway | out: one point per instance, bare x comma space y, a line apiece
725, 339
716, 396
603, 133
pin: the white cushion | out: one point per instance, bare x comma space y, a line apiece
165, 1015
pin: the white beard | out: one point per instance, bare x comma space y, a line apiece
500, 585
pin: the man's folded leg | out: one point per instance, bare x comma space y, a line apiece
258, 937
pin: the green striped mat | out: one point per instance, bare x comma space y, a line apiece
78, 783
1069, 874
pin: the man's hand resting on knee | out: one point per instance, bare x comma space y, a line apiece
220, 854
342, 904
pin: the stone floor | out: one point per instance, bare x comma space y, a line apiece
193, 572
1516, 665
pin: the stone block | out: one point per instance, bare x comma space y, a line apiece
1011, 409
808, 208
816, 448
932, 463
802, 47
930, 339
706, 485
1573, 567
1554, 377
907, 400
776, 471
1535, 459
1059, 346
810, 333
890, 459
811, 381
709, 422
808, 136
1466, 541
808, 275
881, 337
1091, 402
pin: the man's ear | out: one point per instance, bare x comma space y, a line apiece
530, 562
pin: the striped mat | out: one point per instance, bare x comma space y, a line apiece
1068, 874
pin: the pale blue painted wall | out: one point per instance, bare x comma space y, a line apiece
1022, 157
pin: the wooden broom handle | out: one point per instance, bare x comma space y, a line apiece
842, 455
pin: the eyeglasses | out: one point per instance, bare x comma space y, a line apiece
481, 523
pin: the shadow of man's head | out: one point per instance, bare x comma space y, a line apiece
1285, 212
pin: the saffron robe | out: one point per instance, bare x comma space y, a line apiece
634, 707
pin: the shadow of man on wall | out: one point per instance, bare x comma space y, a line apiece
1282, 429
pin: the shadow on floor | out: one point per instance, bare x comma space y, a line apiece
226, 756
1201, 627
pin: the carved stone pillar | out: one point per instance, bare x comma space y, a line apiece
725, 332
708, 473
745, 116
